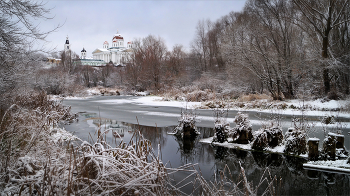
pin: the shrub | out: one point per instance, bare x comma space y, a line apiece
295, 142
25, 127
222, 127
267, 138
187, 125
260, 142
242, 133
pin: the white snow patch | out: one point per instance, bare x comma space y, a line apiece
93, 91
157, 113
337, 165
335, 135
115, 101
299, 112
206, 140
319, 104
152, 101
277, 149
74, 98
60, 134
314, 139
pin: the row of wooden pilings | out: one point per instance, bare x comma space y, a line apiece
330, 145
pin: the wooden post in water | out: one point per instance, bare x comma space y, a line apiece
313, 148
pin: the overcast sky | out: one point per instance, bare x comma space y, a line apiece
89, 23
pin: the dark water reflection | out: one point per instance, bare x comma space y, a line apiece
291, 178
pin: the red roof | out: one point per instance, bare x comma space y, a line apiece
118, 37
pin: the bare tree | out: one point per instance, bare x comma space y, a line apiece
147, 62
200, 43
263, 39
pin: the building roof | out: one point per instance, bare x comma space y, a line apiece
100, 50
83, 50
117, 36
105, 42
89, 60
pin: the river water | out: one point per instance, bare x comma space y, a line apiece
154, 122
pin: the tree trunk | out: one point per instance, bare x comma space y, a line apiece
326, 81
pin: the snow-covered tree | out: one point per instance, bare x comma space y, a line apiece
327, 22
18, 31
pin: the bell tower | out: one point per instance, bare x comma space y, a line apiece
83, 54
67, 45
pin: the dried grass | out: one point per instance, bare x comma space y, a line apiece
253, 97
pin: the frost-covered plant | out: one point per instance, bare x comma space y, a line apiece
333, 146
89, 169
328, 120
25, 123
222, 127
329, 147
187, 124
25, 134
223, 182
242, 121
126, 169
295, 141
261, 141
270, 135
242, 133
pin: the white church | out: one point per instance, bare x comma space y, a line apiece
117, 53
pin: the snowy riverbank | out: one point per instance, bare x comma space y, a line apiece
336, 108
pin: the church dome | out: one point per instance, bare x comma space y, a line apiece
105, 42
83, 50
116, 37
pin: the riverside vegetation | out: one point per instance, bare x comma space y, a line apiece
38, 158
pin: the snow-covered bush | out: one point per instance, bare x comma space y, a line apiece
222, 127
261, 141
270, 135
242, 133
295, 141
25, 123
329, 147
221, 132
328, 120
187, 124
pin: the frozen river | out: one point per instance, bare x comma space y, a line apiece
156, 119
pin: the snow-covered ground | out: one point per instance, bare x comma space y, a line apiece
334, 166
319, 108
278, 149
153, 101
312, 108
